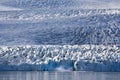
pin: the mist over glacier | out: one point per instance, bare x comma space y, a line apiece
47, 35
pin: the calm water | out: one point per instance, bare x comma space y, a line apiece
58, 76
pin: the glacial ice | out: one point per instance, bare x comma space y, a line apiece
42, 4
56, 57
44, 14
63, 35
67, 27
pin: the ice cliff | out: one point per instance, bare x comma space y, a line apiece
52, 57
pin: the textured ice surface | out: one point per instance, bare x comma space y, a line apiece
44, 14
85, 4
68, 34
58, 57
73, 26
74, 39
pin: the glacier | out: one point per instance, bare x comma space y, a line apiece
58, 57
59, 35
48, 4
60, 27
89, 43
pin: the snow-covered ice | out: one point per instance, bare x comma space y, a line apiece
63, 35
64, 57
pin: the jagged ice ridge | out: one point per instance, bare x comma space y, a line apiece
69, 57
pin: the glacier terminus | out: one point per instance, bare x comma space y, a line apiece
55, 35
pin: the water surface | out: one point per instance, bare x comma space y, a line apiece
9, 75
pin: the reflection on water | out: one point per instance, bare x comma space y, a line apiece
58, 76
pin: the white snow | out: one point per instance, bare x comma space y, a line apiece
55, 57
8, 8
